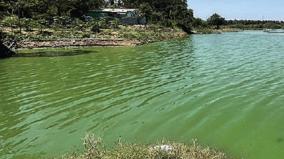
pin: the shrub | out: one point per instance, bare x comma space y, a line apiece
10, 21
103, 23
95, 28
86, 36
114, 23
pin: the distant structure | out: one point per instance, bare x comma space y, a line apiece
125, 16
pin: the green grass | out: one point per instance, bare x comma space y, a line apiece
94, 149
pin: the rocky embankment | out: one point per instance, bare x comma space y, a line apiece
77, 42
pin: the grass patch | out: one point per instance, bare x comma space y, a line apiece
94, 149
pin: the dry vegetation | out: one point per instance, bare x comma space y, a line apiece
94, 149
118, 36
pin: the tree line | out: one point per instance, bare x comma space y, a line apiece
216, 21
164, 12
170, 13
46, 8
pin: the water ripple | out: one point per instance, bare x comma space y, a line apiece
218, 88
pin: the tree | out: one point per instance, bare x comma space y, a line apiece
146, 10
216, 20
197, 22
81, 7
169, 13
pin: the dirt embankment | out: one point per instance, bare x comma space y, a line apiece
77, 42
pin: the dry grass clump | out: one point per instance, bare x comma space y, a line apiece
95, 150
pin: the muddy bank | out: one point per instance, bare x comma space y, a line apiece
26, 44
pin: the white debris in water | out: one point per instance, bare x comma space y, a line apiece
166, 148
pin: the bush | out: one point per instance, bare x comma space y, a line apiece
198, 23
114, 23
95, 28
29, 24
86, 36
10, 21
103, 23
64, 21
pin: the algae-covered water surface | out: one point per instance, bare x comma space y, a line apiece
225, 90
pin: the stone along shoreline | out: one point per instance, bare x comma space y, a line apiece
26, 44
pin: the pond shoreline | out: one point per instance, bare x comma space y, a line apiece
60, 43
126, 36
78, 43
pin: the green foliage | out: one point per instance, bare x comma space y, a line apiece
170, 13
255, 24
95, 28
86, 36
32, 8
199, 23
103, 23
63, 21
29, 24
10, 21
146, 10
114, 23
216, 20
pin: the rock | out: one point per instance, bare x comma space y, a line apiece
5, 51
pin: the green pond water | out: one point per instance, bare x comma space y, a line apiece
225, 90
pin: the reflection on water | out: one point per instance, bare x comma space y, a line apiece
52, 52
226, 90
